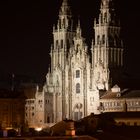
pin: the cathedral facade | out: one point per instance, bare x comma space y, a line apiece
76, 76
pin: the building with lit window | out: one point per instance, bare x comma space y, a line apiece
12, 105
115, 100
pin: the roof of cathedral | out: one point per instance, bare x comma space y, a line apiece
122, 94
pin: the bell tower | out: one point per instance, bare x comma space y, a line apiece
63, 33
107, 50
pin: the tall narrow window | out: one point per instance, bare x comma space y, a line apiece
61, 43
56, 43
77, 73
91, 99
105, 17
48, 119
68, 44
98, 39
103, 39
69, 23
60, 24
101, 18
77, 88
64, 23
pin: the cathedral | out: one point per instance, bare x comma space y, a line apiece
76, 77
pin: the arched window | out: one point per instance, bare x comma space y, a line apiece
77, 88
77, 73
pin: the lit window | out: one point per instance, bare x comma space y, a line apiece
118, 104
77, 88
137, 103
77, 73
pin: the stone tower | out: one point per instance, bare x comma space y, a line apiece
63, 34
55, 86
107, 49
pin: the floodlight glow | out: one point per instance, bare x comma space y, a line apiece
38, 129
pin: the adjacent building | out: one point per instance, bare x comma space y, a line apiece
116, 100
12, 112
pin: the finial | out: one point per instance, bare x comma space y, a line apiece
78, 30
65, 10
64, 2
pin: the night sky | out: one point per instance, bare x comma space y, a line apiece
26, 26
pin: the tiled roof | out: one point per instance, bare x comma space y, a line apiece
122, 94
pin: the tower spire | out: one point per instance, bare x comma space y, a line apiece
78, 30
65, 17
108, 50
65, 8
107, 14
